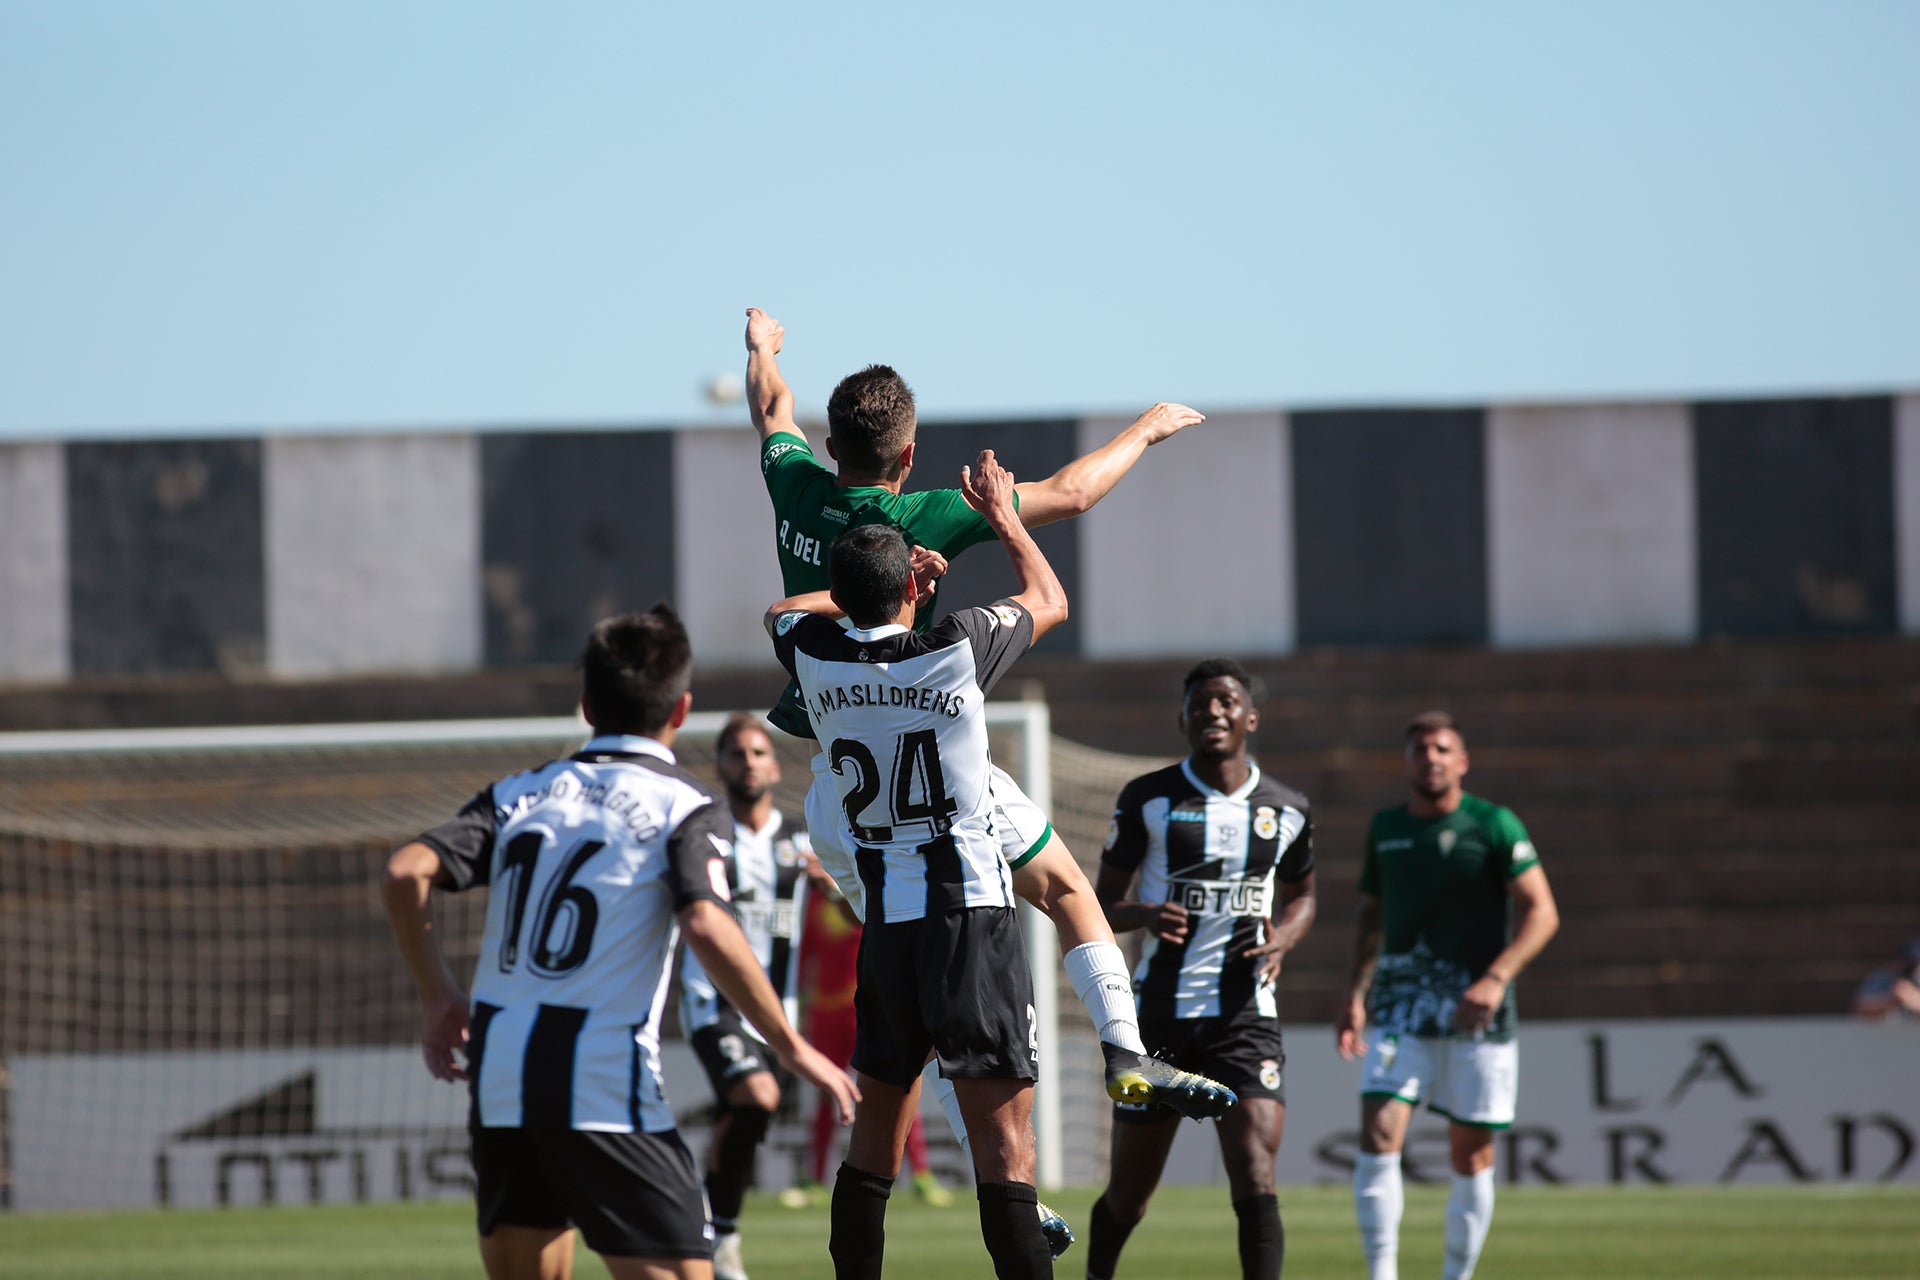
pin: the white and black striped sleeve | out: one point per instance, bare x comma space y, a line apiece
465, 843
697, 857
1126, 844
999, 634
786, 629
1296, 864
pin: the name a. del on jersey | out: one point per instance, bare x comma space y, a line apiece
802, 547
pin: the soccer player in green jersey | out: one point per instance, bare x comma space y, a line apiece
1453, 905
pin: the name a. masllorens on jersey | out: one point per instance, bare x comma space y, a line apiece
839, 697
643, 823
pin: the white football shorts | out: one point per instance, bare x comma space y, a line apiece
1472, 1081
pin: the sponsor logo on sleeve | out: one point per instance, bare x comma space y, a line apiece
1523, 851
1008, 615
1113, 832
787, 621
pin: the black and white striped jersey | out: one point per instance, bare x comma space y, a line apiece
768, 875
900, 719
589, 860
1218, 854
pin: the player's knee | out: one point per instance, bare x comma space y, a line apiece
748, 1125
1470, 1149
1125, 1205
758, 1090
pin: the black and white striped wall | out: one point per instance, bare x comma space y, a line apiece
1257, 533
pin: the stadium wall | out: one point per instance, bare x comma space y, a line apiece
447, 553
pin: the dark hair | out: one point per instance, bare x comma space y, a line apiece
1433, 722
868, 568
738, 723
871, 419
1210, 668
634, 668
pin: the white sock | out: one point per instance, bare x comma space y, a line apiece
1378, 1198
1469, 1214
949, 1106
1099, 975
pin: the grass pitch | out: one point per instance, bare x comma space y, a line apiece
1539, 1233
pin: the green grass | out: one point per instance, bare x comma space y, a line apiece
1538, 1233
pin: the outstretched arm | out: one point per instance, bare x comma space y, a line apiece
1074, 488
988, 488
769, 399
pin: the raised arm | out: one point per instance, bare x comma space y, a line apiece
1074, 488
988, 488
769, 399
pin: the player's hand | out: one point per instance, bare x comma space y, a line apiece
1164, 419
928, 567
443, 1031
987, 485
764, 333
817, 1069
1169, 921
1475, 1011
1269, 954
1350, 1030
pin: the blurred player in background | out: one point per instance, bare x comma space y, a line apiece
1893, 991
871, 424
829, 971
942, 966
595, 864
1453, 905
1224, 857
767, 873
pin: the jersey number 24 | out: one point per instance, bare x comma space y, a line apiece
919, 792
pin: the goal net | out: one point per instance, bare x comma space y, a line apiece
201, 1004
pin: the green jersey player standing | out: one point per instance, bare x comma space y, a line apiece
1453, 904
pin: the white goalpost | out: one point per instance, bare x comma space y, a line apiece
198, 999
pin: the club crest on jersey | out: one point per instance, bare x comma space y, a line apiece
786, 622
1008, 615
1269, 1074
1447, 839
1266, 823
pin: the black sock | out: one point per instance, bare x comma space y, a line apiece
858, 1223
1263, 1241
1106, 1237
727, 1183
1010, 1224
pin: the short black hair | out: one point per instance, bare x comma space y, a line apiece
869, 568
738, 723
634, 669
871, 419
1433, 722
1209, 668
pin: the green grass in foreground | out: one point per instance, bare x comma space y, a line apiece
1538, 1233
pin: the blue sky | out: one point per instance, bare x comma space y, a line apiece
294, 216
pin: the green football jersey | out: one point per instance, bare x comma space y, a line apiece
811, 509
1442, 884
